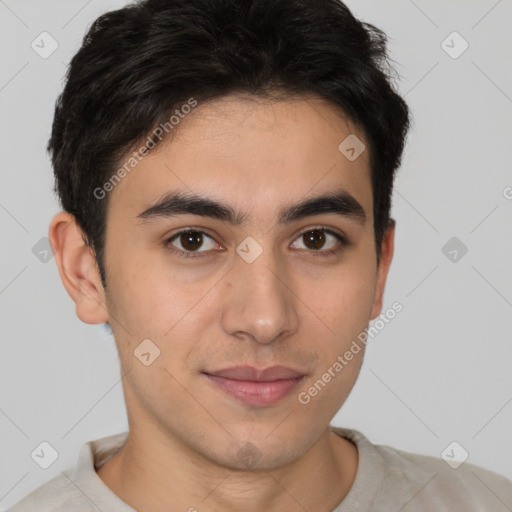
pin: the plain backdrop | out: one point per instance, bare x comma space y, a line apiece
439, 372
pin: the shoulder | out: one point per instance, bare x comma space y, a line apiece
412, 482
432, 481
79, 488
57, 495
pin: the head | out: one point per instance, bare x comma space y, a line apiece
230, 121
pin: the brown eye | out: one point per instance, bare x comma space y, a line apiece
190, 241
314, 239
320, 240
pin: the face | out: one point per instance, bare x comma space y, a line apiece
256, 284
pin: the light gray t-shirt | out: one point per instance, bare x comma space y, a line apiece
387, 480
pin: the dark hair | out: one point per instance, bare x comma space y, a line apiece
138, 64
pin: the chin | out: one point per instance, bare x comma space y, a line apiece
258, 451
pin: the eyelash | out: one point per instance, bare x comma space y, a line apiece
188, 254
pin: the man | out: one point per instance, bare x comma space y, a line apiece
226, 171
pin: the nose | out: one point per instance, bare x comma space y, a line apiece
260, 304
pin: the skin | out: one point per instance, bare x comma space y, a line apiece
290, 307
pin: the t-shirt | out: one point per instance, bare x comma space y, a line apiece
387, 480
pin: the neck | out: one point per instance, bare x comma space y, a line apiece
155, 473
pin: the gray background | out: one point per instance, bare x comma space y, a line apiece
439, 372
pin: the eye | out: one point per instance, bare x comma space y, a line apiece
190, 241
316, 239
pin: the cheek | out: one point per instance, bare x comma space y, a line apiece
151, 297
342, 301
150, 301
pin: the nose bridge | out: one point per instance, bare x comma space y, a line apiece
260, 304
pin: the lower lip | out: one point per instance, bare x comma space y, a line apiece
255, 393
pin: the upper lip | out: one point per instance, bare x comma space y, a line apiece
253, 374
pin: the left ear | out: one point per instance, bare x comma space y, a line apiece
388, 244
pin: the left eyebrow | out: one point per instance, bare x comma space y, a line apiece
177, 203
340, 203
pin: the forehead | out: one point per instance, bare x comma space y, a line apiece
256, 154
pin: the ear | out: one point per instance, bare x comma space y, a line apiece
388, 243
78, 269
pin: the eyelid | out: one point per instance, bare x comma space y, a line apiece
342, 238
328, 229
190, 254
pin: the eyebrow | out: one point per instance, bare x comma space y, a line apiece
177, 203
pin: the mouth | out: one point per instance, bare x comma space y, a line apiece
253, 386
